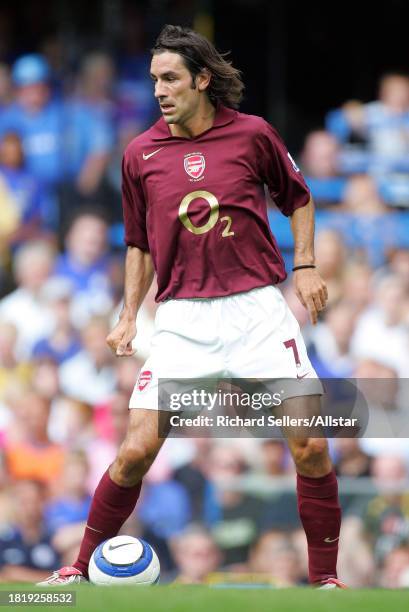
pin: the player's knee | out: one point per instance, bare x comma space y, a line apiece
311, 457
133, 461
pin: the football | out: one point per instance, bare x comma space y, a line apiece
124, 560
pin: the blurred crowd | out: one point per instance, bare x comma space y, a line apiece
217, 511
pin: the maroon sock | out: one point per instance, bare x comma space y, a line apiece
110, 507
320, 514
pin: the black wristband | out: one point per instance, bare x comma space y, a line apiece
303, 266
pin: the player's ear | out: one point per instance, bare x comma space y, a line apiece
203, 79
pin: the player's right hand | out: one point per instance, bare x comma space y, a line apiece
120, 338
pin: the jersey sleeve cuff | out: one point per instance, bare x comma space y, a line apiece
142, 246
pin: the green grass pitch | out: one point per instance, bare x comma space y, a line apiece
207, 599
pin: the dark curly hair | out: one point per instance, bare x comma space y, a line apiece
198, 53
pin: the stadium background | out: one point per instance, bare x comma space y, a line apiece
228, 505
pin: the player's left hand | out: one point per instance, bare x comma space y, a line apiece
311, 291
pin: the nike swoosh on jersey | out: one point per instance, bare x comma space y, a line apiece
302, 376
329, 541
146, 156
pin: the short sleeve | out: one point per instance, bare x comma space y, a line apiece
281, 174
134, 208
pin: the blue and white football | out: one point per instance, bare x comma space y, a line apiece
124, 560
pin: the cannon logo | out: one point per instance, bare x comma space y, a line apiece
195, 165
144, 379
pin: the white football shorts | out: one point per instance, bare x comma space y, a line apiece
250, 335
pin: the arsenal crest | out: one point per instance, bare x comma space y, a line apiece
144, 379
195, 165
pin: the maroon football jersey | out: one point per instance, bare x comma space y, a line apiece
198, 205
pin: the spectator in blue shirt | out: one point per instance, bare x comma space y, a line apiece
32, 204
320, 166
63, 341
37, 118
88, 142
95, 86
73, 502
382, 126
61, 141
87, 266
26, 551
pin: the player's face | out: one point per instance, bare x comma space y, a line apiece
175, 91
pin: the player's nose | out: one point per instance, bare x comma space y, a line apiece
159, 91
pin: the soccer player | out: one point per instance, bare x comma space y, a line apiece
195, 213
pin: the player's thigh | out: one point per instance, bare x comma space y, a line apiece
185, 347
160, 387
271, 345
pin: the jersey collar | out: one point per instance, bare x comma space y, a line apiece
223, 116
